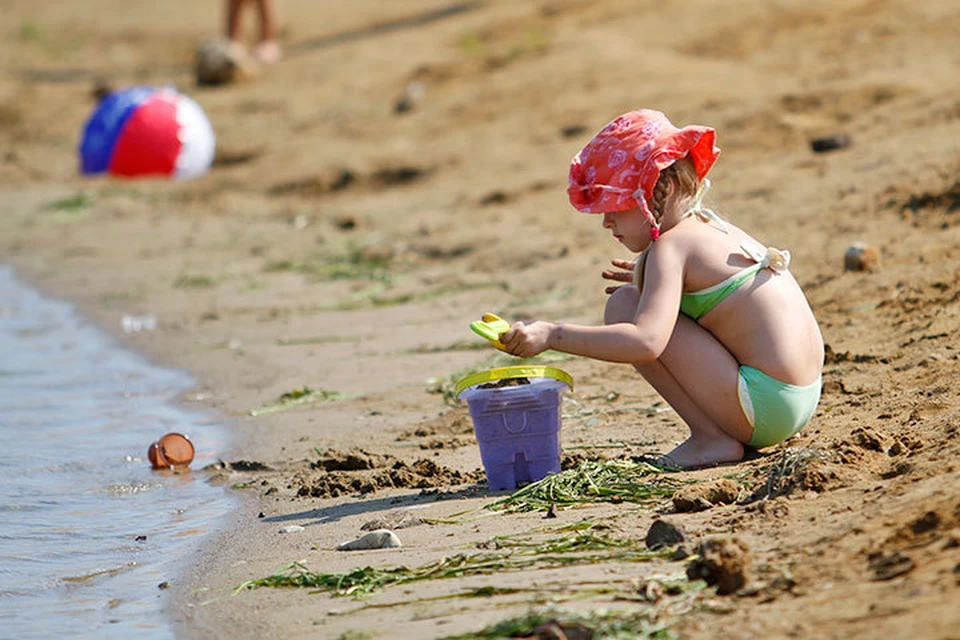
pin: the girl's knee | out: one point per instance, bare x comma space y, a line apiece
622, 305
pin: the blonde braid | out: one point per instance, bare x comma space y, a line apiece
684, 174
660, 192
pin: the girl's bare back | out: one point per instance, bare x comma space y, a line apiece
766, 323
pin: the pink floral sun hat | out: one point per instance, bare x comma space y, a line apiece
618, 169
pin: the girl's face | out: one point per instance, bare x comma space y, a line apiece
630, 227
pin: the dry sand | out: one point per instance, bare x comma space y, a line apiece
342, 246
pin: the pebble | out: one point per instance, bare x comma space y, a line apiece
291, 528
136, 324
860, 257
410, 98
379, 539
831, 143
663, 533
218, 62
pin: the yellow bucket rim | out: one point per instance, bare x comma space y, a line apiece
518, 371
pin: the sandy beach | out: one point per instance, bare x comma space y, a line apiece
319, 281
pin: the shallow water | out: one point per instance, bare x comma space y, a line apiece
88, 531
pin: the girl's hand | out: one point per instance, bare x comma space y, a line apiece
625, 275
526, 340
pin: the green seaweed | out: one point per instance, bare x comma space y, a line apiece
617, 480
296, 398
585, 547
597, 625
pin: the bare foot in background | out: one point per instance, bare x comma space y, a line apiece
268, 52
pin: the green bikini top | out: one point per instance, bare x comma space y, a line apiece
696, 304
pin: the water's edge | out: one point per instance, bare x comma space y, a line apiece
183, 569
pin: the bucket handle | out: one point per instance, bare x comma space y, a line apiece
515, 430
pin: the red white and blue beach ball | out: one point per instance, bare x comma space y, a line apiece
145, 131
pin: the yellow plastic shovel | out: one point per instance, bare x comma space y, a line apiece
490, 326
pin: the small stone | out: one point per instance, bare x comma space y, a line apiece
663, 533
218, 61
680, 553
163, 585
213, 64
410, 97
291, 528
379, 539
860, 257
346, 223
831, 143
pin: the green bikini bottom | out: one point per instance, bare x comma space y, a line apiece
776, 410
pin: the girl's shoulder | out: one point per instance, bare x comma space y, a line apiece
704, 252
692, 236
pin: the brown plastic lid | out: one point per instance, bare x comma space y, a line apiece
172, 451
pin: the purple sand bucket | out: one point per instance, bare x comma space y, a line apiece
516, 418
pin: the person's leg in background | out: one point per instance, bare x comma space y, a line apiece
268, 49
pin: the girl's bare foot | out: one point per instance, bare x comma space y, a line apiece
702, 452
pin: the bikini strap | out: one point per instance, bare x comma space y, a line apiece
705, 214
769, 257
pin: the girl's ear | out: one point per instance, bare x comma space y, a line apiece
669, 195
671, 185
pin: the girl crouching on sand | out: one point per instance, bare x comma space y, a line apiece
712, 319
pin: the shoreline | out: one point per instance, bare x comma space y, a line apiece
342, 248
198, 507
184, 566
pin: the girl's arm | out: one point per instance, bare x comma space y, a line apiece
638, 342
622, 342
